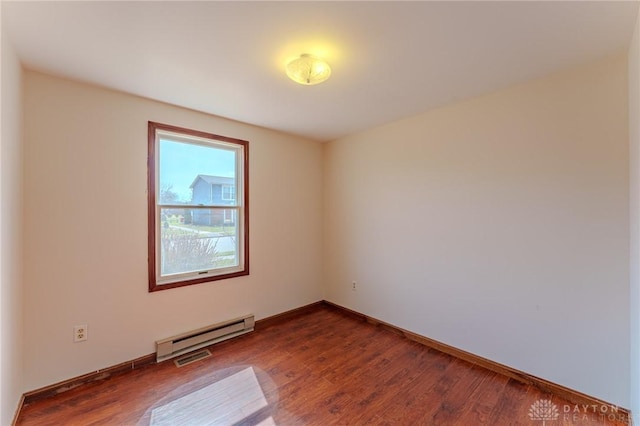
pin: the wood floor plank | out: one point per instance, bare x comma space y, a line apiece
459, 395
319, 368
483, 400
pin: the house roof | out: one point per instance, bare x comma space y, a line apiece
214, 180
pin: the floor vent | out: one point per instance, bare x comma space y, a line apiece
205, 336
192, 357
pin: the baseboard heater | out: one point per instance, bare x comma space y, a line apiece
205, 336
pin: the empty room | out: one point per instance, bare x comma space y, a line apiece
315, 213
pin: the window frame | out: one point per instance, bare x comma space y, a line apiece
153, 218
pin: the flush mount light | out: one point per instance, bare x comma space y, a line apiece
308, 70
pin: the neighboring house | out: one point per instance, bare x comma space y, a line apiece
213, 190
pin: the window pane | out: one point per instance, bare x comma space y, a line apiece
196, 174
228, 193
198, 240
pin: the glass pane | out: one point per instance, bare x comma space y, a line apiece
195, 240
196, 174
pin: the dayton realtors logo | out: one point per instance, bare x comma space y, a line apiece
544, 410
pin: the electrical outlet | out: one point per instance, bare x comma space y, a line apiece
80, 333
353, 286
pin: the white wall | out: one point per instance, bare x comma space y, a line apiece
498, 225
10, 234
634, 213
86, 229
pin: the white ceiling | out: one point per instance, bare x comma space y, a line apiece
390, 59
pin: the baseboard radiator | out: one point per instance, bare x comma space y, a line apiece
205, 336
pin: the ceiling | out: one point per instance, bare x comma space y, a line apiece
390, 59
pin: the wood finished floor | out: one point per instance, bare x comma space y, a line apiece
321, 368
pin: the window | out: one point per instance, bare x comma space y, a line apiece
228, 192
198, 198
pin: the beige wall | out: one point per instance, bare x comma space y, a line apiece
86, 229
634, 199
10, 235
498, 225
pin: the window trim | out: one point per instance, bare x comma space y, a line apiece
152, 190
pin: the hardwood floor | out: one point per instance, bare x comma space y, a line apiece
320, 368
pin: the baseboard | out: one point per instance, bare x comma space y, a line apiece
18, 409
564, 392
87, 378
284, 316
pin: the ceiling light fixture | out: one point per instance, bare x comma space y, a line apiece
308, 70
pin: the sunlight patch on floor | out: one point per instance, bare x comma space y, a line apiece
225, 402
